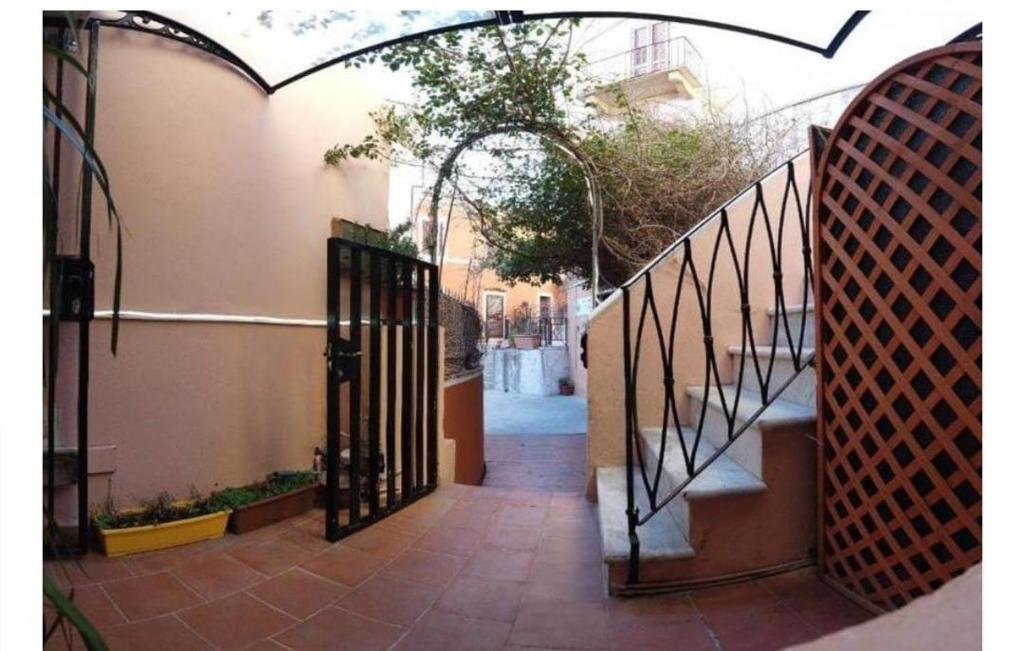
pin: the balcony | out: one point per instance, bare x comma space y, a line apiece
662, 71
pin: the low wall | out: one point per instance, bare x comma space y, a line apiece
949, 618
464, 424
531, 372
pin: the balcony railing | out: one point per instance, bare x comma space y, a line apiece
671, 54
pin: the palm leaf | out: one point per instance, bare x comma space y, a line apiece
64, 121
68, 610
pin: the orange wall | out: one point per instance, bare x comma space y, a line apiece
464, 422
228, 206
463, 245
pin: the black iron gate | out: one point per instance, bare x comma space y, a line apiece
389, 362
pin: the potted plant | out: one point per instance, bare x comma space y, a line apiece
160, 523
566, 387
525, 332
280, 496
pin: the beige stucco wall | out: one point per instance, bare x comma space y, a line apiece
948, 619
575, 292
228, 206
606, 432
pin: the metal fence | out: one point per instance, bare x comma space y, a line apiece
552, 330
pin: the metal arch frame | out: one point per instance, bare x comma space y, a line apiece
555, 137
149, 22
153, 23
970, 34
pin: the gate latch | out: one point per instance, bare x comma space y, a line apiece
342, 359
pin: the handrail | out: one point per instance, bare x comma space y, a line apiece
737, 257
696, 228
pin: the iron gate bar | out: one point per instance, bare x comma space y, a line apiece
373, 425
432, 379
407, 397
333, 387
85, 239
54, 324
355, 388
344, 365
421, 297
392, 380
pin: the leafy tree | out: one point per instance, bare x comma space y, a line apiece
527, 195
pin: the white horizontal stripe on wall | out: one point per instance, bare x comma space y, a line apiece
184, 317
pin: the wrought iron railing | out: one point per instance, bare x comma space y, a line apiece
552, 330
730, 253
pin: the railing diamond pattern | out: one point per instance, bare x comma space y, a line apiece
761, 239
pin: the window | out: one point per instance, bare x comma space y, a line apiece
544, 306
650, 48
494, 315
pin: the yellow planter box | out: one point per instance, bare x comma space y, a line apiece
150, 537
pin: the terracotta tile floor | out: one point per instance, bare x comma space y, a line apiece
511, 564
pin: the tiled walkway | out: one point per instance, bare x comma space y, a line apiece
512, 564
516, 413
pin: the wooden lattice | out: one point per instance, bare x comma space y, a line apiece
898, 199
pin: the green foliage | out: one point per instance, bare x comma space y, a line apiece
276, 484
656, 177
468, 82
163, 508
66, 610
397, 239
66, 619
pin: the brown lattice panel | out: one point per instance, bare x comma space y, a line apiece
898, 199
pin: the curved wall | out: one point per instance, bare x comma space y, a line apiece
228, 205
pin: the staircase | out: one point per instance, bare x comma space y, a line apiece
752, 510
723, 484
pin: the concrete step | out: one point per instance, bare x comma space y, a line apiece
794, 316
661, 539
743, 516
802, 390
747, 449
723, 477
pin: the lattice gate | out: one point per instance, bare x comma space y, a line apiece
898, 198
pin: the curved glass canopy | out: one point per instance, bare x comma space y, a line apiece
275, 48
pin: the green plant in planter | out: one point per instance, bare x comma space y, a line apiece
276, 483
523, 322
163, 508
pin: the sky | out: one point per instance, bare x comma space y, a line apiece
279, 43
753, 76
